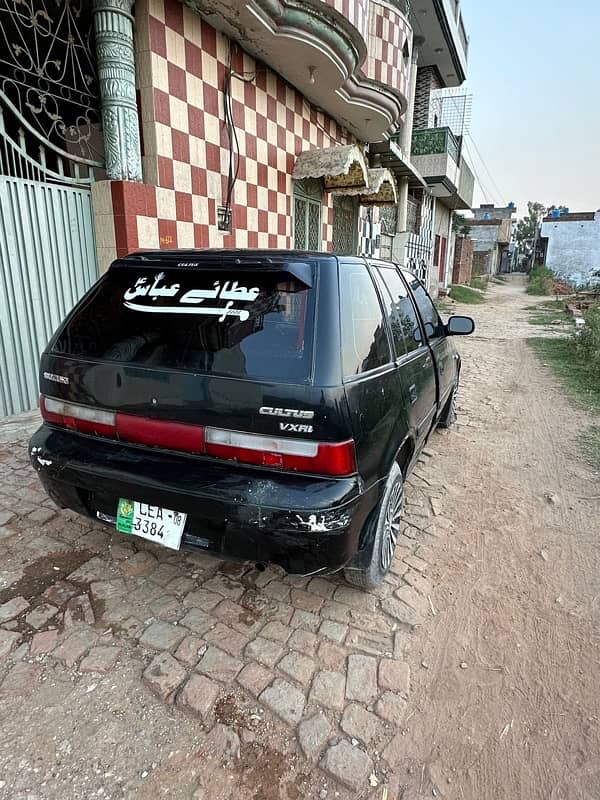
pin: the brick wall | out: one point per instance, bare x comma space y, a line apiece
463, 260
481, 262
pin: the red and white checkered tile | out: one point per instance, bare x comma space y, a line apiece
386, 62
182, 64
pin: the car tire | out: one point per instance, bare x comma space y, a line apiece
448, 415
386, 522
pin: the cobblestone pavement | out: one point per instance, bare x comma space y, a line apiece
127, 670
223, 642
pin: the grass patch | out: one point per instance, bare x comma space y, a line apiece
479, 282
571, 366
550, 317
541, 281
589, 441
464, 294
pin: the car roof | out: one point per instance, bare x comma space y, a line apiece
241, 257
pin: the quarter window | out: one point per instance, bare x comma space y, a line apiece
365, 344
403, 319
429, 315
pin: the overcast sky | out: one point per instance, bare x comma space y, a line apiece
534, 71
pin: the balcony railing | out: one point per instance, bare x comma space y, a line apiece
433, 141
402, 5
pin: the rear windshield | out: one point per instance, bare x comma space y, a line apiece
229, 322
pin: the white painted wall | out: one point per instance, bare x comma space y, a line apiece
574, 249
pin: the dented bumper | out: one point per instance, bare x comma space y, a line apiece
306, 524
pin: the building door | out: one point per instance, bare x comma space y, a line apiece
345, 225
308, 195
51, 151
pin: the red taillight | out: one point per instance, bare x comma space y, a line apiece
322, 458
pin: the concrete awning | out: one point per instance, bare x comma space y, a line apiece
381, 189
341, 167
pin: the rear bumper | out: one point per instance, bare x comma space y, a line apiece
306, 524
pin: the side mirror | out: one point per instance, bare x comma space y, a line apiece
459, 326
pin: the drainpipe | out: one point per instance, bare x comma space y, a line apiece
113, 26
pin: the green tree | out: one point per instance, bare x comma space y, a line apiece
460, 224
527, 227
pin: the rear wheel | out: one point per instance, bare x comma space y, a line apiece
387, 524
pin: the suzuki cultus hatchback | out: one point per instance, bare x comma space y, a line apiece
261, 405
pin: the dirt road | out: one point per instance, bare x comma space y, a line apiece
473, 673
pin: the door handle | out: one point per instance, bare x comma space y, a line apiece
412, 393
427, 362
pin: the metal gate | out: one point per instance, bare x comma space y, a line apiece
51, 151
47, 262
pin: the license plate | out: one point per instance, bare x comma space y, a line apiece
160, 525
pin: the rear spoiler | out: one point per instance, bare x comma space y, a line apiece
300, 271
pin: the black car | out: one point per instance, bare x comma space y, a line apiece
261, 405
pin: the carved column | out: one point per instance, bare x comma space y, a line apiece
113, 25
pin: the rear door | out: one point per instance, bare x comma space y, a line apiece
373, 392
413, 358
442, 350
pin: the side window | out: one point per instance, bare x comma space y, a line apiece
364, 338
403, 317
429, 315
391, 311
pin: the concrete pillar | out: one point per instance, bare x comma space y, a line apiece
113, 26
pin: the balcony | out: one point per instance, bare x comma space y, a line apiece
436, 155
446, 44
347, 57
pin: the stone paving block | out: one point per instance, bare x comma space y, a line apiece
313, 735
395, 751
303, 641
398, 567
43, 642
163, 636
181, 585
394, 675
60, 592
105, 590
165, 573
361, 683
75, 646
5, 517
374, 644
164, 675
188, 650
362, 601
96, 569
413, 599
391, 707
328, 689
305, 620
227, 639
166, 607
276, 631
277, 590
298, 667
198, 695
334, 631
78, 609
264, 651
285, 700
219, 665
100, 659
337, 612
361, 724
6, 533
236, 616
348, 765
142, 563
332, 656
40, 615
202, 599
8, 641
95, 541
41, 515
13, 608
323, 587
306, 600
222, 584
20, 680
416, 563
418, 582
197, 620
255, 678
401, 612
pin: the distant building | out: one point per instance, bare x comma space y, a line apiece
491, 232
570, 245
